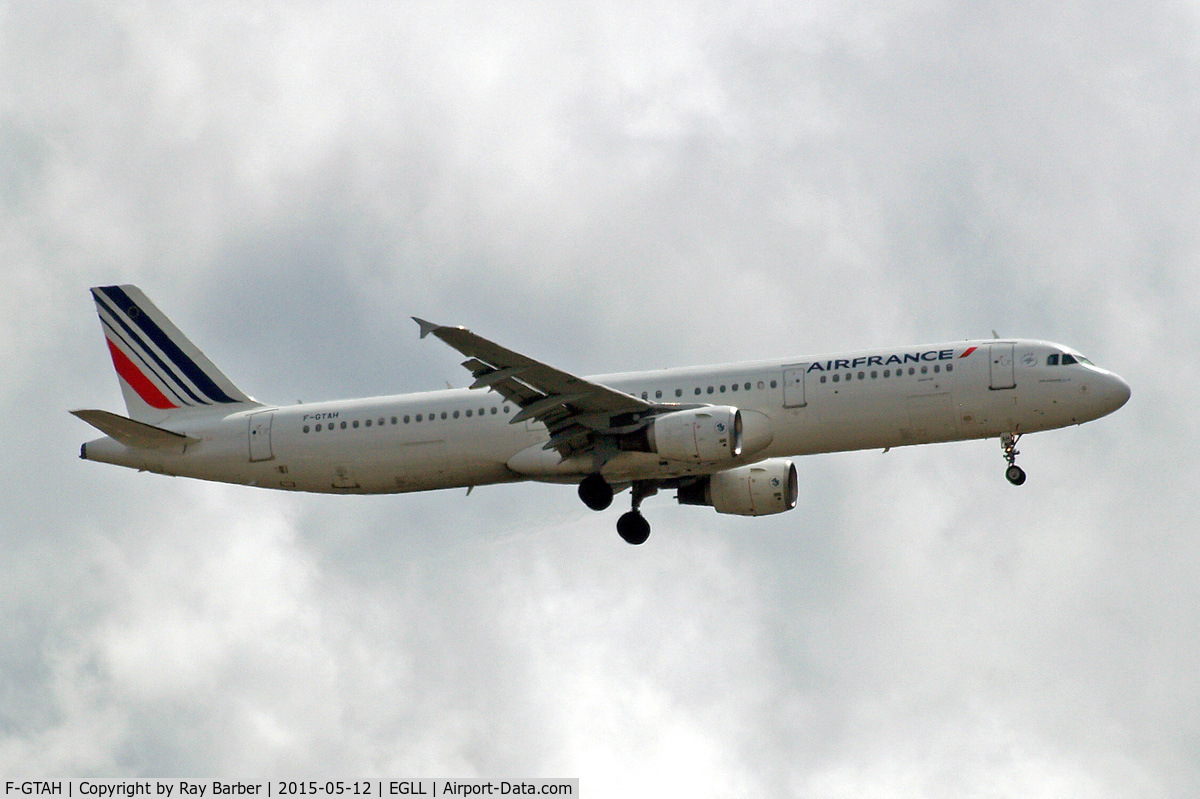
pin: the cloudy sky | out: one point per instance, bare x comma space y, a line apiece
607, 187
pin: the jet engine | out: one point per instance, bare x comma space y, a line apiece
700, 435
759, 489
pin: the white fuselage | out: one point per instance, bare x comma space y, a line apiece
454, 438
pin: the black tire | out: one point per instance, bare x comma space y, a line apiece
1015, 475
633, 527
595, 492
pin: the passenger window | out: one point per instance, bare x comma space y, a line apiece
368, 423
710, 389
822, 378
760, 385
1052, 360
506, 409
355, 424
493, 410
343, 425
924, 370
658, 394
949, 367
405, 419
455, 414
836, 378
874, 375
418, 417
468, 413
679, 392
722, 389
734, 387
774, 384
936, 368
861, 376
912, 371
645, 395
746, 386
443, 414
887, 372
306, 428
697, 391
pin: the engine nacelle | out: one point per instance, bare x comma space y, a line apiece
700, 435
759, 489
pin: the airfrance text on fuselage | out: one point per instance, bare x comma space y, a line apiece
885, 360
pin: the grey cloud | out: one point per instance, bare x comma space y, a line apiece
606, 190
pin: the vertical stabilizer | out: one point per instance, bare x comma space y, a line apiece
162, 373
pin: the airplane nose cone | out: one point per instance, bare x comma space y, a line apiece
1118, 392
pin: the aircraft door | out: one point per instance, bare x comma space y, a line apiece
1001, 356
793, 386
259, 434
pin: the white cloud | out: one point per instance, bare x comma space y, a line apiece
290, 183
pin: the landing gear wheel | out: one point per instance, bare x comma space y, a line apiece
595, 492
633, 527
1008, 444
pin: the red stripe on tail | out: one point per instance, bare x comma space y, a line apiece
134, 377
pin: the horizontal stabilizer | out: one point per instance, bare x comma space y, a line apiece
132, 433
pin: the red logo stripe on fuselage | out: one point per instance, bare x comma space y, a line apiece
968, 351
134, 377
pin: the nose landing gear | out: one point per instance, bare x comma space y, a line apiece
1014, 473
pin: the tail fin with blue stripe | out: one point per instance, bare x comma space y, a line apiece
162, 374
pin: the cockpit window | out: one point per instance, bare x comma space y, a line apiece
1066, 359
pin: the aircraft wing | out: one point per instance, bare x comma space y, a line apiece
573, 409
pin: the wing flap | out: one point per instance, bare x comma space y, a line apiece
557, 399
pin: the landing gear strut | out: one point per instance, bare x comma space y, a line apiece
595, 492
632, 526
1014, 473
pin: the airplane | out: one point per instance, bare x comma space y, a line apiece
720, 436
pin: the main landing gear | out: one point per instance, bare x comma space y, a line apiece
1014, 473
632, 526
597, 494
